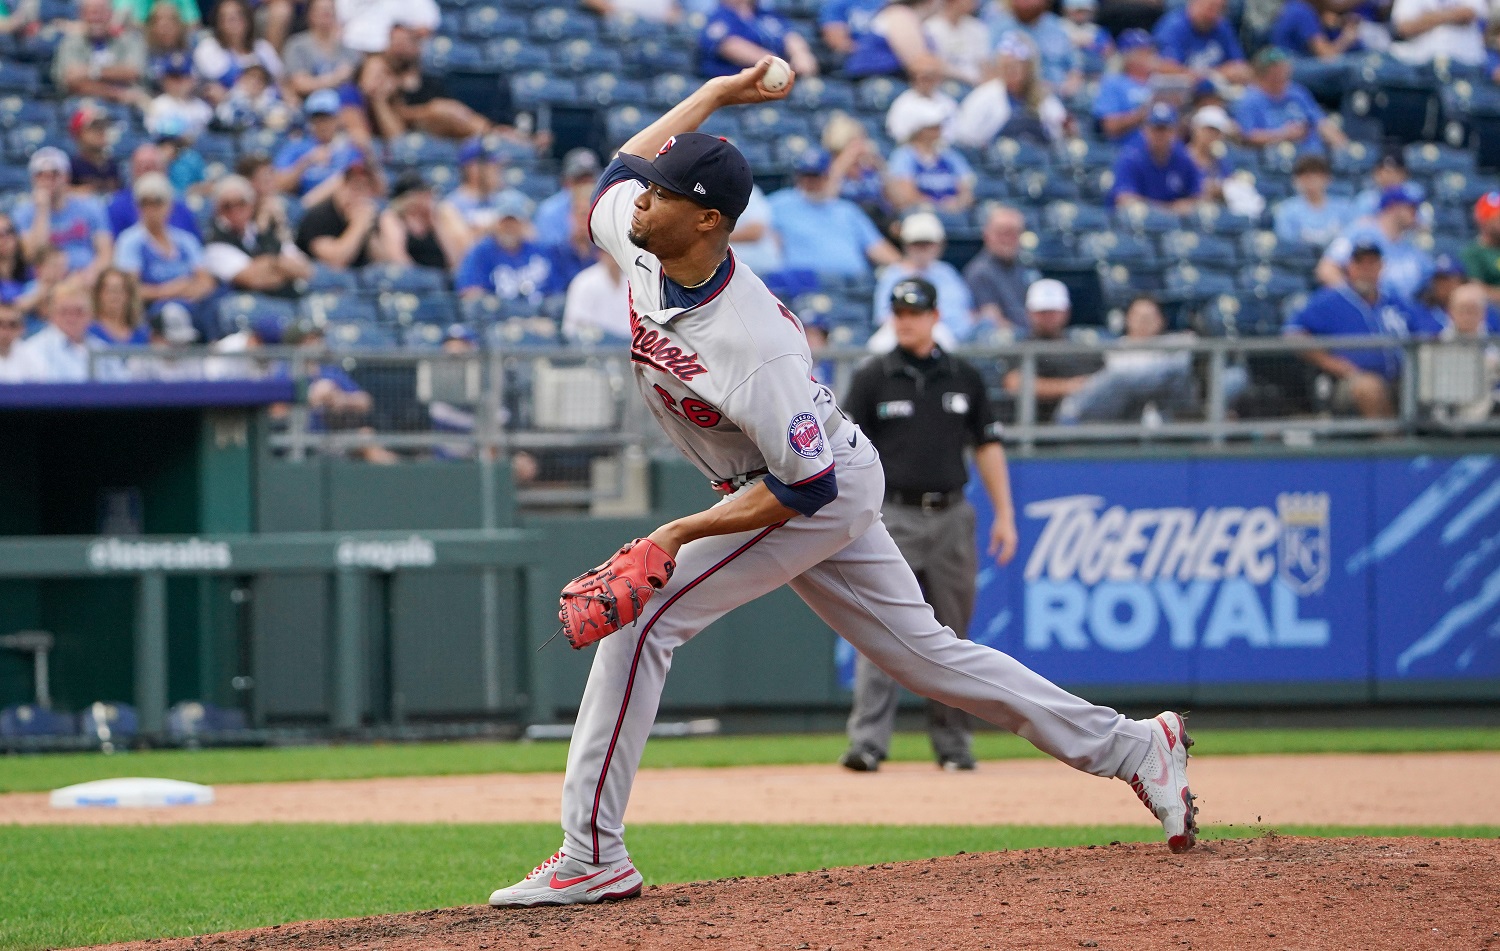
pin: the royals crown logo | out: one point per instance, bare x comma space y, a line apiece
1305, 547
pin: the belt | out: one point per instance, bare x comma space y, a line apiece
733, 484
926, 501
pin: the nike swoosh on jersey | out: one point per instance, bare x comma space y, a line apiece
640, 262
569, 882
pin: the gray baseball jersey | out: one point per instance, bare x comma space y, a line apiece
727, 371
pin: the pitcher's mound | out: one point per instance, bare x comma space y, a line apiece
1266, 893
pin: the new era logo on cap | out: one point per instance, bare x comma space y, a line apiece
700, 189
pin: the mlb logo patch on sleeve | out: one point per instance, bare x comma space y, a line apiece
805, 436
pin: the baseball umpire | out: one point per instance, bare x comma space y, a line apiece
922, 408
727, 372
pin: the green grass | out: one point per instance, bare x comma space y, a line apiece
65, 886
42, 772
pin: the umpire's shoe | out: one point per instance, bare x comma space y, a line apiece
1161, 782
566, 881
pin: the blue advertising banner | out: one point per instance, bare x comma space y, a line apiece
1188, 572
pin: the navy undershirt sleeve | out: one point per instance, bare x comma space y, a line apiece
806, 497
614, 173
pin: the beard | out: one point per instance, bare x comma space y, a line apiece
638, 239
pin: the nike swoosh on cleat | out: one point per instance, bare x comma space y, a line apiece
853, 441
569, 882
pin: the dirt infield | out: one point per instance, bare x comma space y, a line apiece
1260, 791
1247, 895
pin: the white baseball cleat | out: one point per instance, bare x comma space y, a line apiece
562, 880
1161, 782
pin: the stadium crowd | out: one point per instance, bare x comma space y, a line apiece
256, 173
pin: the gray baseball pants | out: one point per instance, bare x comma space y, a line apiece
939, 548
843, 563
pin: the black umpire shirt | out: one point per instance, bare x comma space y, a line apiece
921, 414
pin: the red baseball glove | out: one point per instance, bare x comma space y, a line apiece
599, 602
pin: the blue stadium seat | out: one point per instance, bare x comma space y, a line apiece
189, 719
14, 182
877, 92
1186, 282
1040, 187
1012, 156
608, 89
418, 150
1046, 250
1228, 315
664, 55
1072, 218
537, 186
535, 88
1459, 189
770, 122
344, 305
579, 57
446, 53
325, 278
39, 48
671, 88
402, 307
1109, 247
624, 28
480, 311
1260, 246
1085, 156
560, 23
424, 336
217, 147
518, 332
488, 23
1213, 218
622, 122
821, 93
516, 55
400, 277
23, 110
238, 311
1402, 98
1430, 159
1354, 161
29, 720
23, 140
1146, 219
1119, 283
1267, 282
119, 719
21, 79
1204, 251
725, 122
360, 335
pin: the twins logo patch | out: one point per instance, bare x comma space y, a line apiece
805, 436
667, 147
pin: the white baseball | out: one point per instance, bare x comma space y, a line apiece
778, 74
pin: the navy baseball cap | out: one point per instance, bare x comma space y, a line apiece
705, 169
1162, 113
813, 161
1407, 193
1364, 246
1445, 265
475, 150
1135, 39
914, 294
176, 64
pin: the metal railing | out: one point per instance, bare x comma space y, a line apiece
564, 407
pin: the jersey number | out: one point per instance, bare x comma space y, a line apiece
693, 410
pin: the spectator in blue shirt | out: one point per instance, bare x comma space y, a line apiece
1357, 307
1390, 172
1061, 65
167, 261
1304, 29
1125, 97
1429, 312
303, 164
739, 33
1158, 169
924, 169
51, 216
822, 232
1276, 110
123, 213
554, 216
875, 37
922, 240
507, 263
1312, 216
1406, 267
1200, 40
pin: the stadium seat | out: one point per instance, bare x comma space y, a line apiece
877, 92
771, 122
560, 23
821, 93
480, 311
1074, 218
23, 110
1459, 189
401, 307
29, 720
1267, 282
1186, 282
1204, 251
360, 335
1213, 218
238, 311
1356, 160
1012, 156
1401, 97
1229, 315
23, 140
1040, 187
190, 719
1145, 219
608, 89
424, 336
622, 122
418, 150
538, 87
670, 89
22, 79
325, 278
445, 53
1109, 247
624, 28
400, 277
517, 55
488, 23
580, 56
1429, 159
1040, 249
647, 57
343, 305
118, 721
519, 332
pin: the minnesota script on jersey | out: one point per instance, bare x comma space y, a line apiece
729, 376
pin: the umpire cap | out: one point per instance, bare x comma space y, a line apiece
914, 294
